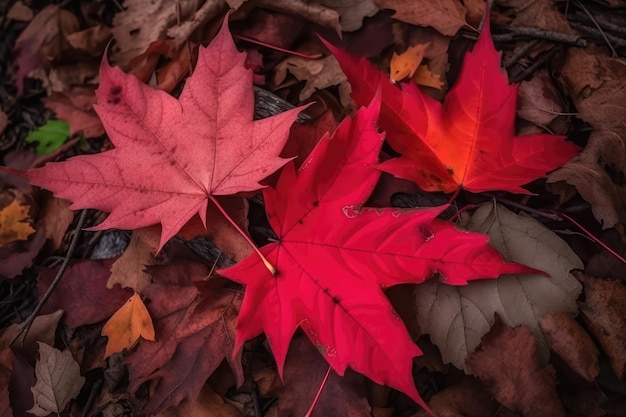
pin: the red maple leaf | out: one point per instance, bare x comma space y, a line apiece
333, 258
469, 141
172, 156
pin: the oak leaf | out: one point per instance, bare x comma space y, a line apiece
333, 257
127, 325
172, 156
14, 223
469, 141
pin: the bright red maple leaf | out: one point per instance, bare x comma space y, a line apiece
333, 258
172, 156
469, 141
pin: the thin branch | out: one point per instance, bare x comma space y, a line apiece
57, 279
593, 19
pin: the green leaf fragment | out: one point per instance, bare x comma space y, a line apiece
50, 136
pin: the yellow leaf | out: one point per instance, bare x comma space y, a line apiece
128, 323
404, 65
14, 223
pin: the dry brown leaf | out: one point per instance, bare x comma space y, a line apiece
475, 12
128, 269
43, 40
508, 366
55, 218
42, 330
318, 74
92, 40
572, 344
145, 21
127, 325
539, 101
405, 64
351, 12
14, 223
58, 381
592, 173
312, 12
447, 16
20, 12
597, 84
604, 313
542, 14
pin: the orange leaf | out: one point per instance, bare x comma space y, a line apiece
404, 65
125, 327
14, 223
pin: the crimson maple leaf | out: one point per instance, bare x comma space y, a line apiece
172, 156
333, 258
469, 141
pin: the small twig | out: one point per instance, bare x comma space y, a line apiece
277, 48
543, 58
617, 41
511, 203
590, 235
319, 393
600, 20
593, 19
522, 53
29, 321
520, 33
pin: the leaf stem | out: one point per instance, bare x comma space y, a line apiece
267, 263
591, 236
319, 393
277, 48
25, 327
454, 196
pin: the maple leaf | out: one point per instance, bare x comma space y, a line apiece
14, 223
469, 141
333, 258
172, 156
195, 332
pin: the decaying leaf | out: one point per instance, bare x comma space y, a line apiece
207, 404
456, 318
15, 223
82, 293
572, 343
76, 108
195, 332
508, 365
351, 12
318, 74
6, 371
42, 330
604, 312
539, 100
55, 219
599, 93
467, 398
447, 16
127, 325
129, 269
58, 381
